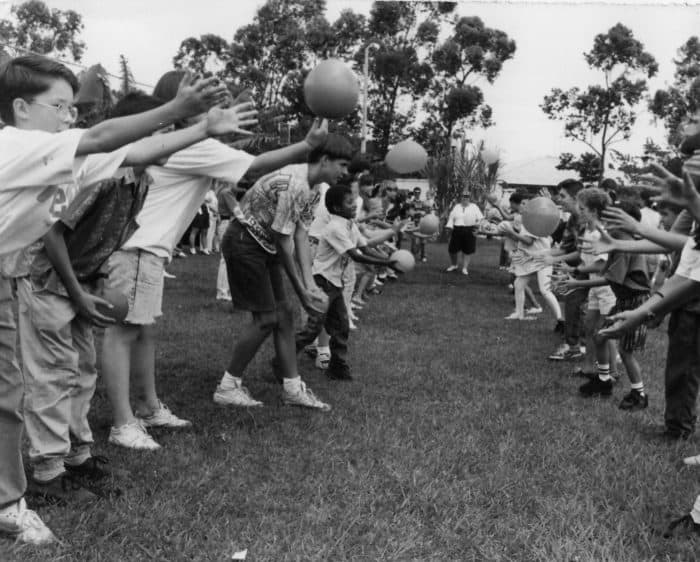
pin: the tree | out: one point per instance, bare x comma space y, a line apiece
602, 115
682, 98
210, 54
472, 50
40, 29
401, 69
126, 77
587, 165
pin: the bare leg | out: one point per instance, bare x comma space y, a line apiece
116, 367
143, 368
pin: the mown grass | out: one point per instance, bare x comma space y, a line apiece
457, 441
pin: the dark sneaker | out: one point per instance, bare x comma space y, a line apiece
559, 327
65, 487
96, 468
672, 435
339, 376
596, 387
634, 401
685, 526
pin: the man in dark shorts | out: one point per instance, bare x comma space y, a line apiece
462, 222
266, 235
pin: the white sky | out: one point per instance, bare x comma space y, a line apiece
550, 38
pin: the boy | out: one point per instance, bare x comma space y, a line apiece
41, 160
340, 241
258, 247
177, 190
628, 275
57, 308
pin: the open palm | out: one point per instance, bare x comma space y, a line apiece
234, 119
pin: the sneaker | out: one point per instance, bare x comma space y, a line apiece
353, 317
238, 396
685, 524
205, 252
378, 283
559, 353
132, 436
304, 397
167, 275
514, 316
163, 417
25, 524
559, 327
451, 268
596, 387
534, 310
346, 376
465, 271
322, 360
96, 467
391, 276
572, 354
351, 325
692, 461
671, 435
62, 488
193, 251
634, 400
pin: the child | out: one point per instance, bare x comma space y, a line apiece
340, 242
592, 201
524, 266
628, 275
41, 162
259, 246
57, 308
177, 190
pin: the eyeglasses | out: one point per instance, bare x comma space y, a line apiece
63, 110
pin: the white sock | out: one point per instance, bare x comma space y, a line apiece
292, 386
695, 513
638, 386
603, 371
229, 381
323, 349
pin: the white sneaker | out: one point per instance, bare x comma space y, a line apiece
193, 251
205, 252
236, 396
132, 436
168, 275
322, 360
304, 397
163, 417
25, 524
692, 461
465, 271
534, 310
514, 316
451, 268
352, 325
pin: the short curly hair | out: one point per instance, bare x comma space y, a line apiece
594, 199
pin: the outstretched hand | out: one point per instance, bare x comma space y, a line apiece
232, 120
615, 217
620, 323
671, 189
317, 134
604, 245
197, 96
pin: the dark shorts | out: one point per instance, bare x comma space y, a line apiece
462, 240
633, 340
254, 275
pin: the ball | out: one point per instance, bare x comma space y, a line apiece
429, 225
404, 259
540, 216
407, 156
119, 302
489, 156
331, 89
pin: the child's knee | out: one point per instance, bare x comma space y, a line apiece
266, 321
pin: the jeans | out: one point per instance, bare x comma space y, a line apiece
336, 323
12, 480
682, 375
59, 368
573, 315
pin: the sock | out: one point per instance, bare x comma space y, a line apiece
695, 513
293, 385
638, 386
229, 381
323, 350
603, 371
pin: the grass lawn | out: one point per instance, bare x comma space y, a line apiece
457, 441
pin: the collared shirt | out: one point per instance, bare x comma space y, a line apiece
338, 236
464, 215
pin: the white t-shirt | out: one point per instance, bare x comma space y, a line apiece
464, 216
589, 258
338, 236
650, 218
689, 264
321, 214
178, 190
39, 177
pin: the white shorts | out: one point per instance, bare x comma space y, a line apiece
601, 299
